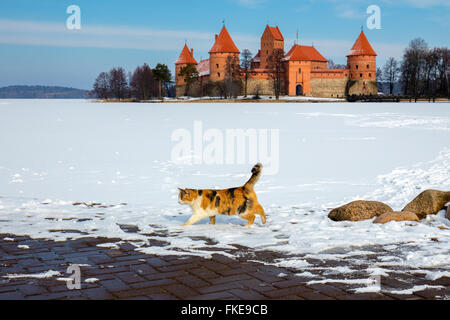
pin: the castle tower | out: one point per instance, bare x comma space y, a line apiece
223, 48
362, 60
186, 57
271, 40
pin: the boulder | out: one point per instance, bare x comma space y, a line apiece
428, 202
359, 210
396, 216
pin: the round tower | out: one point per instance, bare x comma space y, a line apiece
223, 48
186, 57
362, 65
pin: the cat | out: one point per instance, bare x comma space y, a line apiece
209, 203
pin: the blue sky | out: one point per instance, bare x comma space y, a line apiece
37, 48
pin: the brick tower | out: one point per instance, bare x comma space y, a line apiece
223, 48
362, 65
186, 57
270, 40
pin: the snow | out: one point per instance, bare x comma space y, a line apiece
43, 275
416, 288
114, 160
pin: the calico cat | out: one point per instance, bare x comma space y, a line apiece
209, 203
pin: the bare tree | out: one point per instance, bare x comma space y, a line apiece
390, 73
118, 83
101, 86
276, 65
246, 61
143, 83
232, 73
413, 66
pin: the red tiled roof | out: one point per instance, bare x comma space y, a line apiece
276, 33
203, 68
362, 47
186, 56
304, 53
224, 43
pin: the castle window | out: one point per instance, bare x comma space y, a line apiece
218, 74
356, 67
360, 75
299, 70
370, 75
217, 65
368, 66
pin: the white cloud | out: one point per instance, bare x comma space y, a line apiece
118, 37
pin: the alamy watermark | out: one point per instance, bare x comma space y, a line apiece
374, 19
74, 281
73, 22
228, 146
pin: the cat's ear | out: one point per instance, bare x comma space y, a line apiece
180, 189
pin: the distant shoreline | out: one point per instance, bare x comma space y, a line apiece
42, 92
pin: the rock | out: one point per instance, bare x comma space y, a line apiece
396, 216
428, 202
447, 214
359, 210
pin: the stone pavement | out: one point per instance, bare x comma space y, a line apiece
124, 273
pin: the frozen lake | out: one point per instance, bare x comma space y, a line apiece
56, 152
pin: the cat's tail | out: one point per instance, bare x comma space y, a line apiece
256, 173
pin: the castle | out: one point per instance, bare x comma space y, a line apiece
304, 69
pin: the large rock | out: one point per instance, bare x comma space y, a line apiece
396, 216
428, 202
359, 210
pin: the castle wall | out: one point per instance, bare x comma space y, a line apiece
261, 86
329, 87
362, 87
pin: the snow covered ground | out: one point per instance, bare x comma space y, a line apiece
115, 161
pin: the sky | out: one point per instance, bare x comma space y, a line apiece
37, 48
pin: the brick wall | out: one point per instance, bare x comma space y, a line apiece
329, 88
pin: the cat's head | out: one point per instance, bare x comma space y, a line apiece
187, 196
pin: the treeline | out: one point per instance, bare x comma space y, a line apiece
423, 71
144, 83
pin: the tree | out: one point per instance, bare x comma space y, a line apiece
190, 74
332, 65
101, 86
276, 65
232, 73
142, 83
443, 71
118, 84
246, 60
390, 73
163, 75
413, 65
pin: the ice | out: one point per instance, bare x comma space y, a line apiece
114, 162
